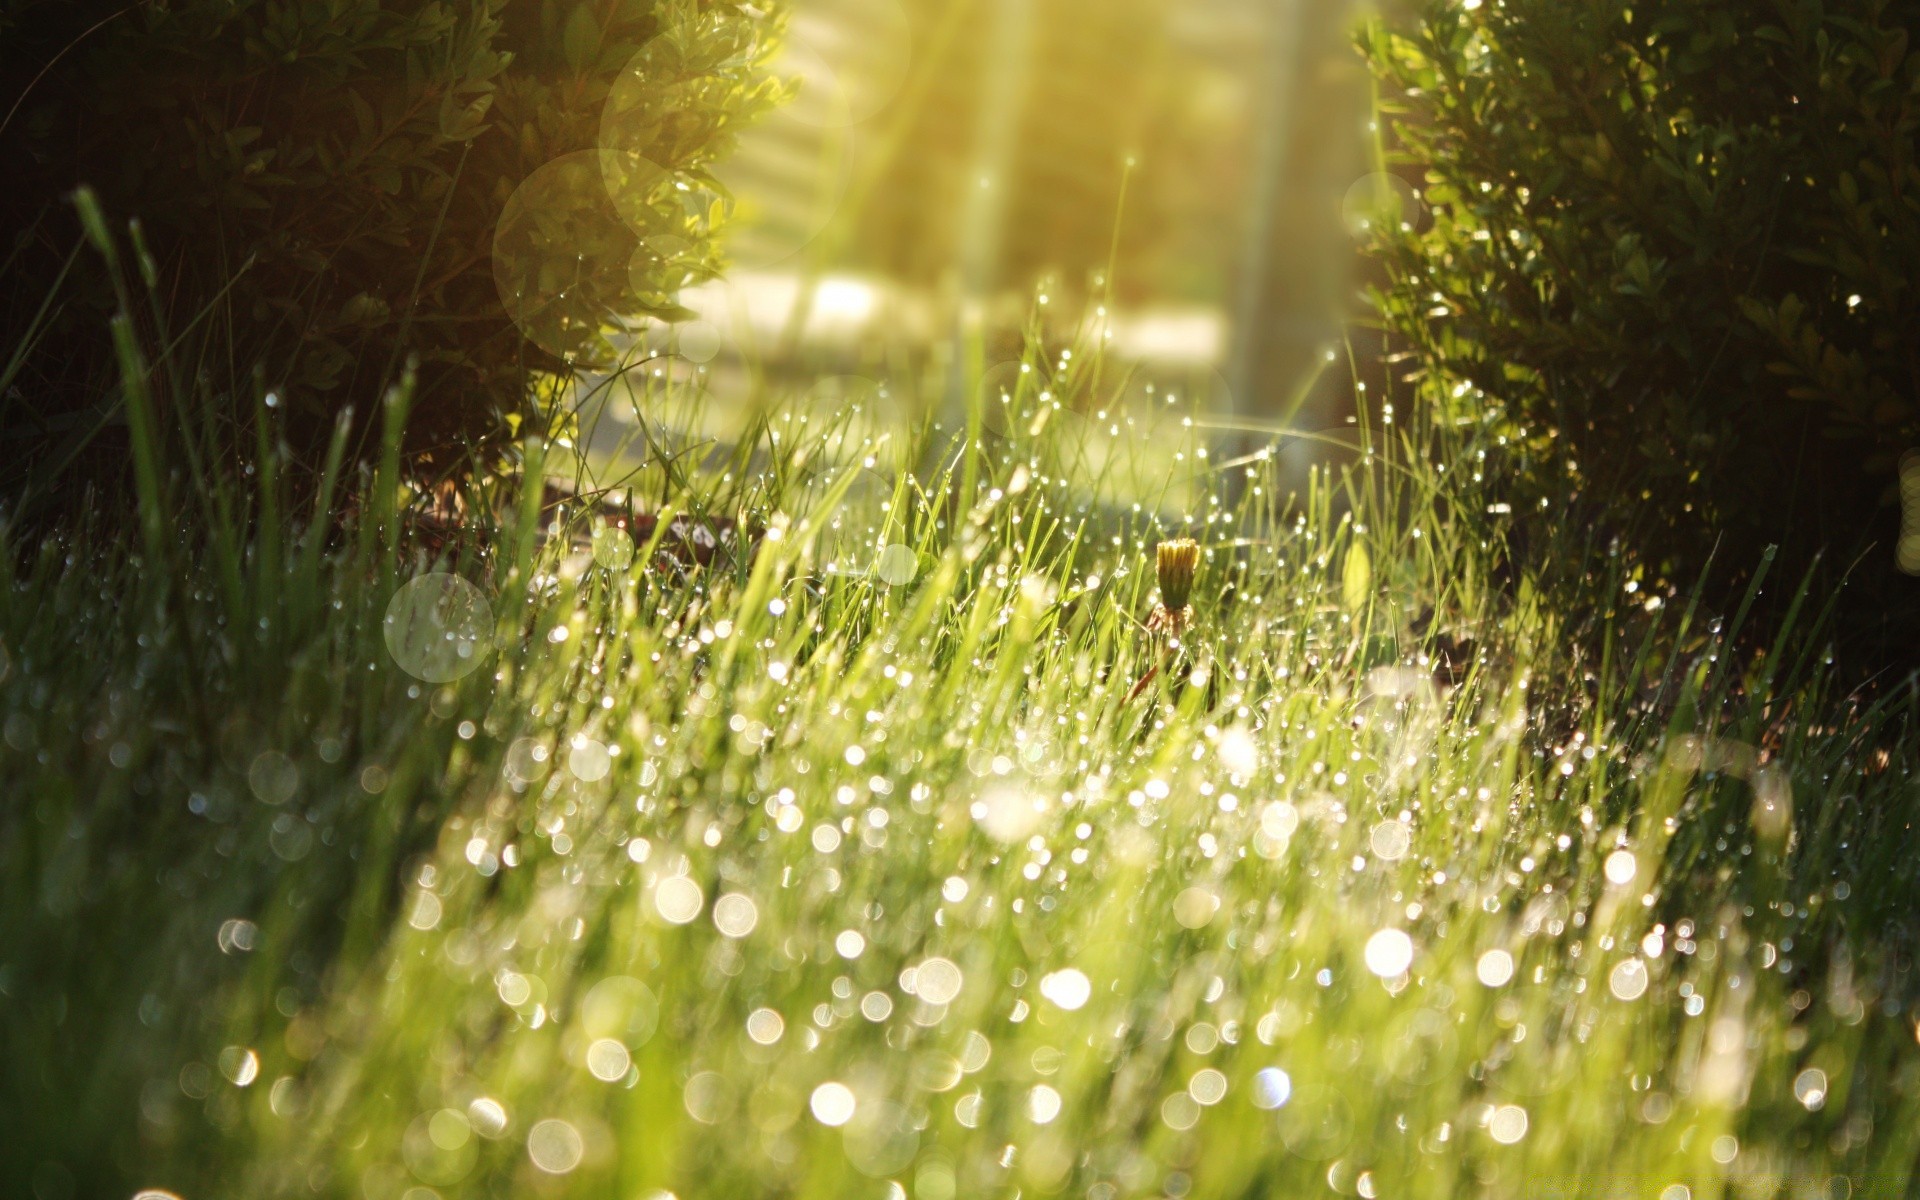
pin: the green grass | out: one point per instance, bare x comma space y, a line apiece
281, 919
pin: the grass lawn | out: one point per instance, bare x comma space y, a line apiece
859, 864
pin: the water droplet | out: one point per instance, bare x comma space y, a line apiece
1810, 1088
1508, 1124
555, 1146
832, 1104
734, 915
1207, 1087
1389, 953
1043, 1104
937, 981
1068, 989
678, 899
589, 760
1628, 980
766, 1026
1391, 840
1271, 1088
1495, 968
608, 1060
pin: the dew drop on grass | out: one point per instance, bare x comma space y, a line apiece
1810, 1088
426, 911
555, 1146
1391, 840
1043, 1104
1207, 1087
975, 1052
937, 981
966, 1110
237, 936
832, 1104
766, 1026
515, 989
734, 915
1068, 989
240, 1065
1495, 968
678, 899
589, 760
1628, 980
1508, 1124
1621, 867
1180, 1111
1195, 907
1389, 953
488, 1116
526, 760
1272, 1088
708, 1097
607, 1060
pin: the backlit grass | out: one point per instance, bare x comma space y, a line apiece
854, 866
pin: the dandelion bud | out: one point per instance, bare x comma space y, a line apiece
1176, 561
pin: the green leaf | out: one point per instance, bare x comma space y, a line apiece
580, 40
1356, 579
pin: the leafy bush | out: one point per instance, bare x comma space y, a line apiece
1672, 257
326, 180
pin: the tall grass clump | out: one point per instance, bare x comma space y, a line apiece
903, 852
329, 190
1667, 257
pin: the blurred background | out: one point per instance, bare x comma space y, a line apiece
945, 162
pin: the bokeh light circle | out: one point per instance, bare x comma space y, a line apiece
438, 627
612, 546
833, 1104
1380, 201
937, 981
678, 899
563, 256
555, 1146
897, 565
1389, 953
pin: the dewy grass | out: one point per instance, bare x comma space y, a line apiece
846, 869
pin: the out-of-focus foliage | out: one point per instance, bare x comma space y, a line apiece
328, 177
1673, 254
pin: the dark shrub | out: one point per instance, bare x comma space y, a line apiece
325, 179
1673, 259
